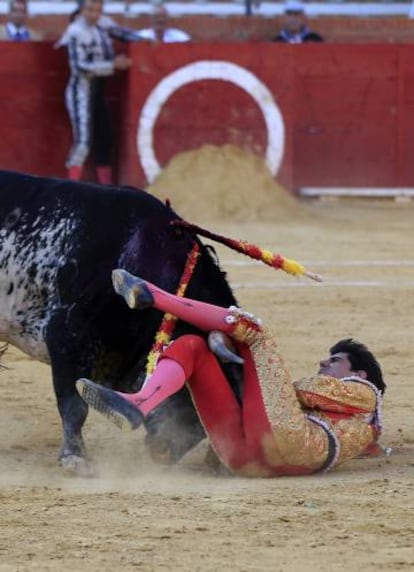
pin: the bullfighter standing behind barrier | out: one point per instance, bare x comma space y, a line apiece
277, 428
91, 59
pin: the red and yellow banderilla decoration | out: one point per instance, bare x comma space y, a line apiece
163, 336
274, 260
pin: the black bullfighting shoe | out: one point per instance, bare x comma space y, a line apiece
133, 289
108, 402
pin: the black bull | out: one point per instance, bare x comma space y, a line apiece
59, 242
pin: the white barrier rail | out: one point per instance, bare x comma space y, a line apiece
377, 192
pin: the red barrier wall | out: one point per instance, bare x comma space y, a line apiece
33, 128
348, 110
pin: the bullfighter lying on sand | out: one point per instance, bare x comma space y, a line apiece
277, 427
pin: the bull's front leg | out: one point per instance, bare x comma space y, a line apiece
66, 358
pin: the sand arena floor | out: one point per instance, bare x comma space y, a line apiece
135, 515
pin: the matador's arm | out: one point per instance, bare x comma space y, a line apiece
351, 405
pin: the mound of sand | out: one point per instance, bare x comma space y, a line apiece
224, 183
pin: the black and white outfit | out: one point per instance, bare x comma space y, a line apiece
91, 55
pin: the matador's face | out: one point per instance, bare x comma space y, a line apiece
338, 365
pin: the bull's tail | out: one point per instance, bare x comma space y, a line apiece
271, 259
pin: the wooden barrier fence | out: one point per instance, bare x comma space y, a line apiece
338, 115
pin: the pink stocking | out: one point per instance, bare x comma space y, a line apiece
205, 316
167, 379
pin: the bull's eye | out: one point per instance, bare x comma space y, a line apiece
12, 218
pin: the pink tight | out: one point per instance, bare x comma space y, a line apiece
235, 432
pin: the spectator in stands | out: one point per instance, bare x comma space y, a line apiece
294, 26
15, 28
91, 59
159, 32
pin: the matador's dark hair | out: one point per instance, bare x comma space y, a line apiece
79, 7
361, 359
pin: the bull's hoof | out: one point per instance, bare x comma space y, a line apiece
76, 465
108, 402
134, 290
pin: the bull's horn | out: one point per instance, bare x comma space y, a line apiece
220, 344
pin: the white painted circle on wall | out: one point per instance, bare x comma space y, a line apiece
202, 70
